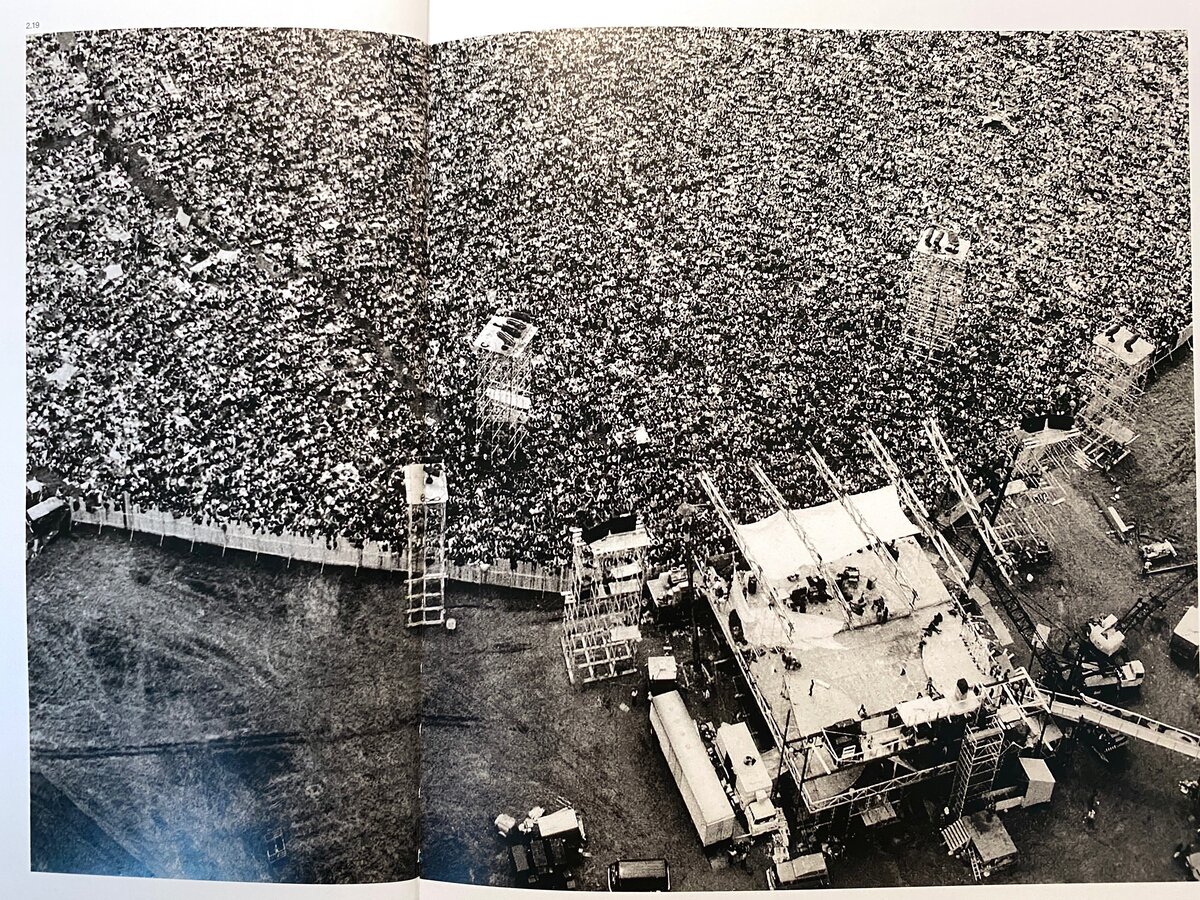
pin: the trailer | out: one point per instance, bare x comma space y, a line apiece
1185, 640
688, 760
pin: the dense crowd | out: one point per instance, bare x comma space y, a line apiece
226, 271
228, 307
712, 229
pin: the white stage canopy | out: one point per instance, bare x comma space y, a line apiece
778, 550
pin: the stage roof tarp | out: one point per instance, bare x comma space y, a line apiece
778, 550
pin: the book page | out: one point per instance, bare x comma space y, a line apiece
798, 388
225, 288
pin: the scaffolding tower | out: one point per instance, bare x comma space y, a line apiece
1118, 364
503, 379
602, 610
426, 493
978, 762
939, 269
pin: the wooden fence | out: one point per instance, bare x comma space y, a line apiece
340, 551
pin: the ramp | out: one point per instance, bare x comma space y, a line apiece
1123, 721
956, 836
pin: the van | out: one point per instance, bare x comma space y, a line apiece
808, 871
639, 875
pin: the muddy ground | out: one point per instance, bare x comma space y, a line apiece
187, 709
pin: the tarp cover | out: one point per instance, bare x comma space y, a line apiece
777, 548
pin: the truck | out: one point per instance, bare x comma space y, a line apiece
748, 776
1097, 677
1185, 640
806, 871
644, 875
687, 758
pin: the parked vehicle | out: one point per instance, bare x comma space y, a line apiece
1185, 641
1097, 677
688, 760
748, 776
808, 871
639, 875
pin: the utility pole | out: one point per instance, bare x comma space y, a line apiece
687, 512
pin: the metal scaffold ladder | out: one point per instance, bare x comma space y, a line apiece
955, 836
978, 761
426, 595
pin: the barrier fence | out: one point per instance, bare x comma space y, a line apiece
339, 551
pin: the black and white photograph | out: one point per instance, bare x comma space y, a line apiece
615, 459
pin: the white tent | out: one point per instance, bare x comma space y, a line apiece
780, 552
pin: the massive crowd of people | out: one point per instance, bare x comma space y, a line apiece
226, 271
711, 229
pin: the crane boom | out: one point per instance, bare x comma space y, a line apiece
917, 509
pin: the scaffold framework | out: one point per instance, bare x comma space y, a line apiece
503, 380
602, 610
931, 308
1118, 364
822, 566
992, 541
917, 509
426, 494
874, 543
978, 761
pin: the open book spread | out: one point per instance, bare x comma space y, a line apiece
630, 458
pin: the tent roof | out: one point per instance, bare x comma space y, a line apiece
778, 550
